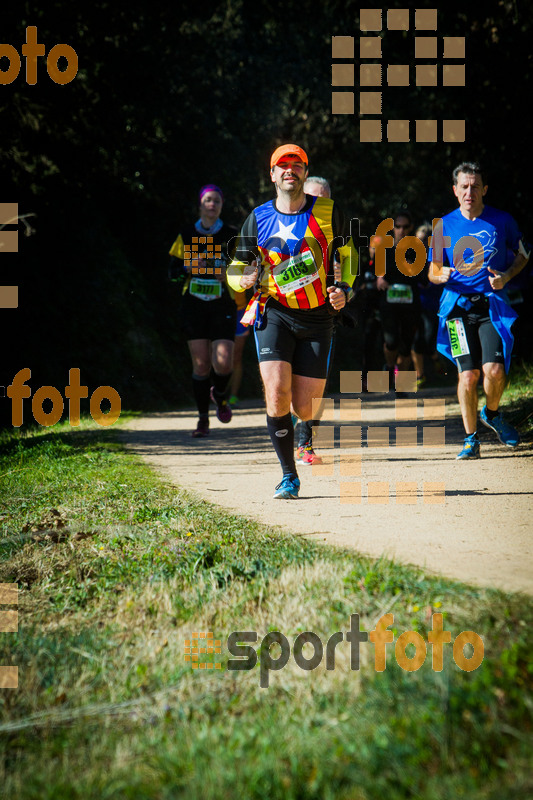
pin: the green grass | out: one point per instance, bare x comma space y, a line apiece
116, 569
517, 400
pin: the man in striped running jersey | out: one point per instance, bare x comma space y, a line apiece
286, 249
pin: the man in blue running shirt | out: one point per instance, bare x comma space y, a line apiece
469, 256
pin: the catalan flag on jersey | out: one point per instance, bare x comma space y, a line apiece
296, 252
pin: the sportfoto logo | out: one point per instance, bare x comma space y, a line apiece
18, 390
31, 51
9, 621
348, 452
469, 252
239, 644
373, 75
9, 243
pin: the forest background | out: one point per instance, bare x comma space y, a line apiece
170, 96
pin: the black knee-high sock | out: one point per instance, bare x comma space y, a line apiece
306, 432
201, 386
220, 384
281, 432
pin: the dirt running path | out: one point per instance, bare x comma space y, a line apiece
481, 533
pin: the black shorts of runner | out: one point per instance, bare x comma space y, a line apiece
425, 341
208, 319
482, 339
303, 337
400, 323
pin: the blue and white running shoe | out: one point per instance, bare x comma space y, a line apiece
470, 449
505, 432
288, 488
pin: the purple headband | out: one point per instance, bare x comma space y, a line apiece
210, 187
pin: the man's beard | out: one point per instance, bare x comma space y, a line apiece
293, 188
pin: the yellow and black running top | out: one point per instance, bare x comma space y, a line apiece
296, 252
194, 243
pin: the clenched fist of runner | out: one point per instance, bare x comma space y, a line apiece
250, 276
498, 281
337, 297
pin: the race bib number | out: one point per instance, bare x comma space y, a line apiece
295, 273
398, 293
458, 340
205, 289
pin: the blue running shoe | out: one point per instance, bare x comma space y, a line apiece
470, 449
288, 488
505, 432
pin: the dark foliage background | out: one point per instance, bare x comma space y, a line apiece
172, 95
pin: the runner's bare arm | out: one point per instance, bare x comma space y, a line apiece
499, 279
345, 258
242, 272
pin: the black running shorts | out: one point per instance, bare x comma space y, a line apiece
209, 319
473, 338
400, 324
303, 337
